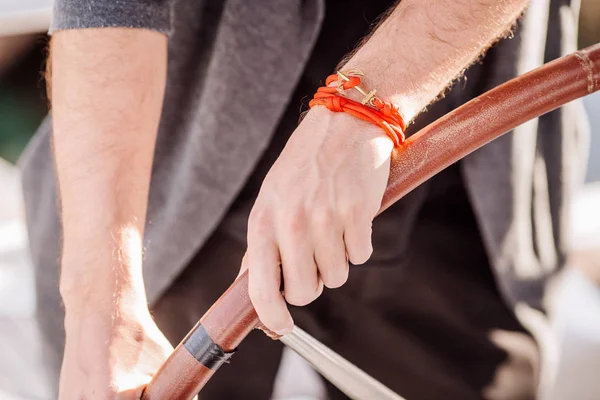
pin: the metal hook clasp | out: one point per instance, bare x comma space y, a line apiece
344, 76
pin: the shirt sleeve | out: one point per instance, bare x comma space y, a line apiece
144, 14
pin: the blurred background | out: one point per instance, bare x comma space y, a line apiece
573, 339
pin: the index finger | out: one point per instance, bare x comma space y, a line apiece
264, 280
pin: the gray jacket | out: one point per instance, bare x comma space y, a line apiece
230, 54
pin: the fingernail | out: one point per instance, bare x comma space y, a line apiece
283, 332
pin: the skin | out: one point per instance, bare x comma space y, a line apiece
312, 215
106, 108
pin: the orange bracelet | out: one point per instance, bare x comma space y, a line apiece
372, 109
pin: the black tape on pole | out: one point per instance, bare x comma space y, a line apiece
201, 346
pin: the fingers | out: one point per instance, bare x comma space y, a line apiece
264, 274
357, 236
308, 246
309, 251
300, 273
330, 250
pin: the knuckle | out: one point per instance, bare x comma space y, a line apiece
260, 297
302, 297
323, 218
296, 220
260, 219
351, 211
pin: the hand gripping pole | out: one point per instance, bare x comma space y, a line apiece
421, 156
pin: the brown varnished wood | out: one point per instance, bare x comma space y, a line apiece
227, 322
232, 317
489, 116
180, 378
424, 154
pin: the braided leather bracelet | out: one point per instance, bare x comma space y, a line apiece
371, 109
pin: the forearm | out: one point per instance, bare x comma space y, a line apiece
107, 92
424, 45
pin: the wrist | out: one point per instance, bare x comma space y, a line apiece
102, 269
104, 326
98, 313
343, 135
105, 286
339, 125
409, 99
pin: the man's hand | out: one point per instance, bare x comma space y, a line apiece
316, 205
110, 360
314, 212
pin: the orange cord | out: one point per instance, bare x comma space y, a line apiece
382, 113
